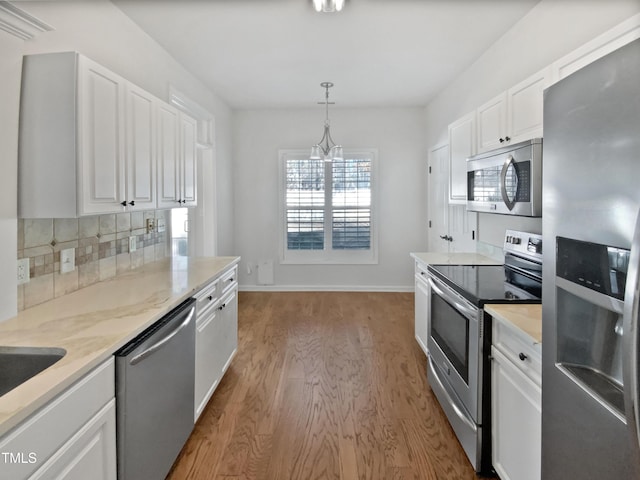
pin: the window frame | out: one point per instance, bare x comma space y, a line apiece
328, 256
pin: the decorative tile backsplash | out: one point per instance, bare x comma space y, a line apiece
101, 245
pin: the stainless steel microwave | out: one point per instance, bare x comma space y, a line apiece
507, 180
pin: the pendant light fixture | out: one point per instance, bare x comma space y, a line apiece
326, 147
328, 6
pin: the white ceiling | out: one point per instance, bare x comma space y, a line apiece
275, 53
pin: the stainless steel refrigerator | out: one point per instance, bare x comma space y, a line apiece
591, 200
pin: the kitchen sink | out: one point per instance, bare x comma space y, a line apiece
19, 364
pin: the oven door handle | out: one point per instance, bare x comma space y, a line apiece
467, 311
450, 400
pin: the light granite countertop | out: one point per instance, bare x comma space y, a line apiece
458, 258
527, 318
93, 322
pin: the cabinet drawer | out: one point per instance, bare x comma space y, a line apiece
228, 279
206, 297
421, 270
517, 346
60, 419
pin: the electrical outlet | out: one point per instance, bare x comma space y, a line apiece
160, 225
23, 271
132, 244
67, 260
151, 225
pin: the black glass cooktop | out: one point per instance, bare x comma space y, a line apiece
482, 284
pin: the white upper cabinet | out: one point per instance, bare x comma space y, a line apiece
492, 123
168, 157
90, 140
188, 158
462, 144
177, 158
514, 115
140, 155
100, 137
524, 107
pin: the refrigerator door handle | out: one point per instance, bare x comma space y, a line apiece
630, 342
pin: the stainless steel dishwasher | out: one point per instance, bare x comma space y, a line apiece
155, 394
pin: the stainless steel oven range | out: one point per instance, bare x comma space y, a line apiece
460, 335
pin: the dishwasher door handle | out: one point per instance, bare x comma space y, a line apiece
156, 346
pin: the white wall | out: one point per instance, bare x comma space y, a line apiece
552, 29
102, 32
10, 67
398, 136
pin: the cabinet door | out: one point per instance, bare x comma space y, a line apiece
492, 124
90, 453
462, 144
140, 156
188, 132
209, 361
101, 139
438, 199
422, 312
168, 157
516, 421
524, 107
140, 150
229, 327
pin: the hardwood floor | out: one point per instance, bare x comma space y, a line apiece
325, 385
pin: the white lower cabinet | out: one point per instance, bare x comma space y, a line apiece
73, 437
216, 335
422, 307
516, 400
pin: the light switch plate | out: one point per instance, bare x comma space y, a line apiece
67, 260
132, 244
23, 271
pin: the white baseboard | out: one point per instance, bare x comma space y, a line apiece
326, 288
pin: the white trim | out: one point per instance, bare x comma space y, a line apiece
206, 121
327, 288
19, 23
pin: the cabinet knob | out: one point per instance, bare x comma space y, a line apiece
502, 140
184, 201
522, 356
179, 201
123, 203
210, 297
507, 138
132, 203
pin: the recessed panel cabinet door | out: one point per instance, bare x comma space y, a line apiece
100, 134
140, 150
168, 157
188, 132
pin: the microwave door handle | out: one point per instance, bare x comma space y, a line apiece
630, 342
503, 183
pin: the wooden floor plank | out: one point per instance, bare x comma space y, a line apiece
325, 385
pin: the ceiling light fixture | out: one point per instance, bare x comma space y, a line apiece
326, 147
328, 6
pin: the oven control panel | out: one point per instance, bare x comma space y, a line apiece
523, 243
